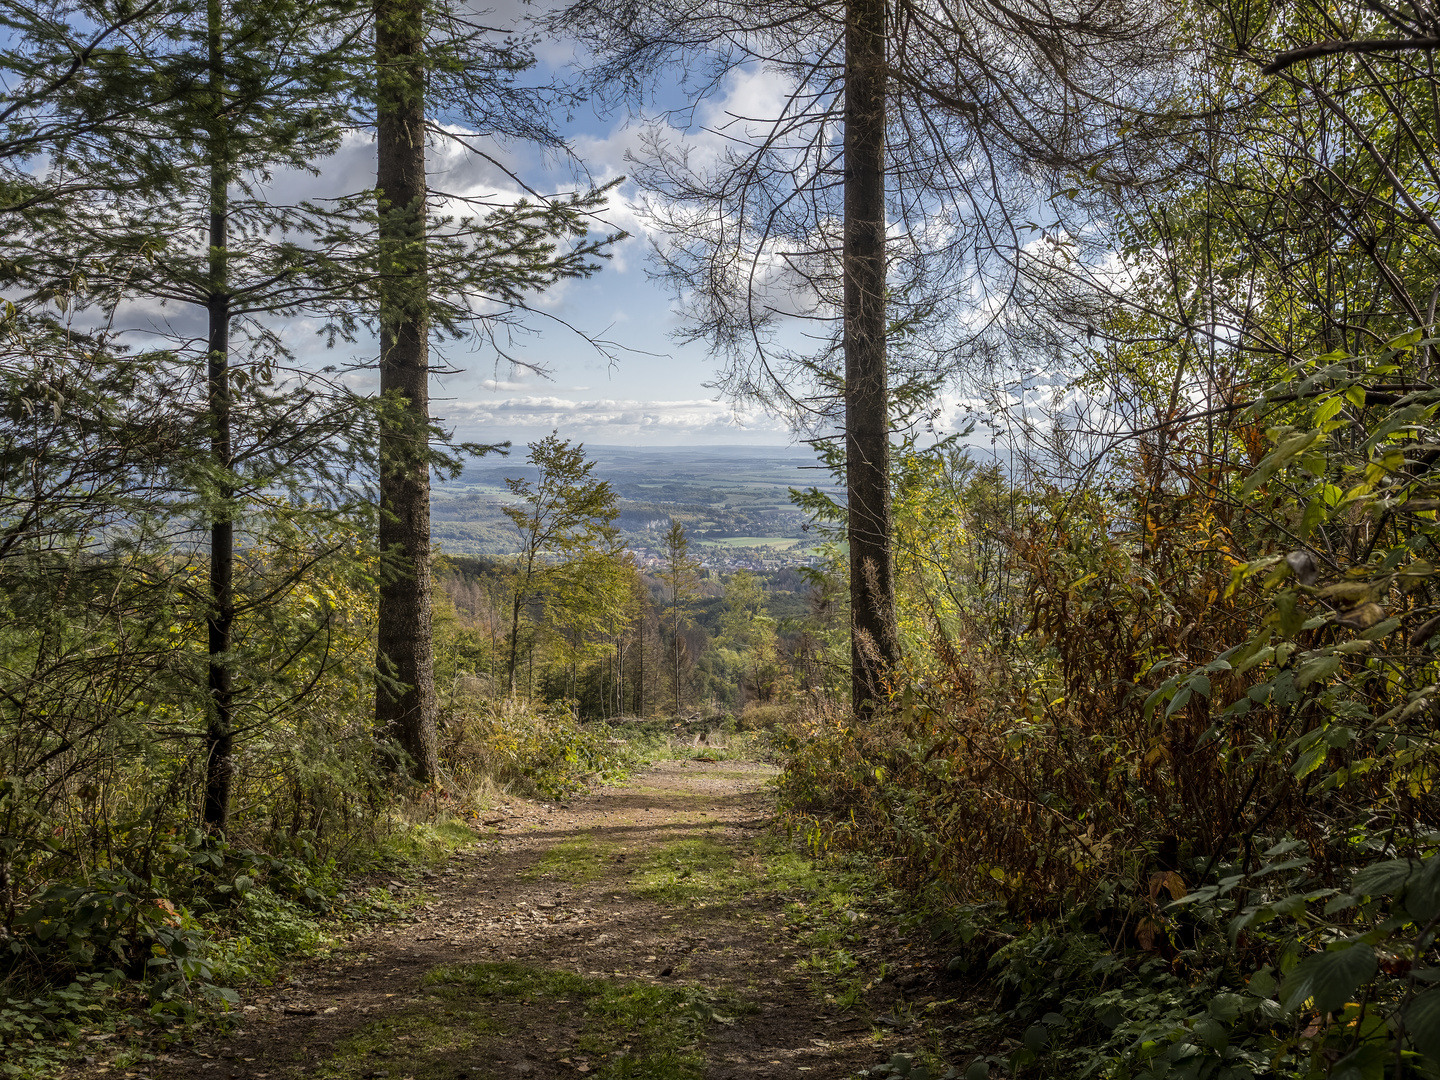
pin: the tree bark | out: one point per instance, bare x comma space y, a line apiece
522, 595
405, 704
514, 646
675, 635
220, 619
874, 640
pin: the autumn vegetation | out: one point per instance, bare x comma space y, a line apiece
1129, 686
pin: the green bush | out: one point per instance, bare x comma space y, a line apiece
765, 716
542, 750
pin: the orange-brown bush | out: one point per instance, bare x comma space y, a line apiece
1106, 736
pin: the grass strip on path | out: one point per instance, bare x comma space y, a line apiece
606, 1028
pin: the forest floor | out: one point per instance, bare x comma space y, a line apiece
658, 930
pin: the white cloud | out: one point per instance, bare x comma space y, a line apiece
613, 420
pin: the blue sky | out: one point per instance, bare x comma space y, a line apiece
645, 388
650, 389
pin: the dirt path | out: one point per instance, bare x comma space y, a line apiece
635, 932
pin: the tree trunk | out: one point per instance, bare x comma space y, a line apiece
220, 619
874, 641
675, 633
514, 645
405, 704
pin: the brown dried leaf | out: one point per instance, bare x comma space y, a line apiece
1145, 933
1168, 880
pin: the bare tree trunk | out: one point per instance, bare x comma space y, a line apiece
874, 641
405, 708
220, 620
514, 645
675, 632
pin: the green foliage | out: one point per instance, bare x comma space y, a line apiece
545, 752
1190, 807
689, 871
569, 578
32, 1029
577, 861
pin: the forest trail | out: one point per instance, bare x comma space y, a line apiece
629, 933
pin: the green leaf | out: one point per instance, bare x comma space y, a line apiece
1385, 878
1330, 978
1035, 1038
1422, 1023
1211, 1033
1178, 702
1272, 462
1365, 1062
978, 1070
1290, 617
1422, 893
1262, 983
1320, 668
1225, 1006
1310, 760
1155, 698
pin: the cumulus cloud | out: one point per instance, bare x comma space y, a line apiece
613, 420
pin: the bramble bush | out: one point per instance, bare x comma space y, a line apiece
1176, 768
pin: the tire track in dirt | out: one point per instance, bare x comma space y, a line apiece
627, 933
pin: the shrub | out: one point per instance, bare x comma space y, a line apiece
540, 750
765, 716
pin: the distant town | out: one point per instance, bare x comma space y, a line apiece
733, 501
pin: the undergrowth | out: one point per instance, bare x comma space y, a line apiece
161, 937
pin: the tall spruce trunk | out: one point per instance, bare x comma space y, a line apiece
675, 634
220, 619
405, 704
874, 641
